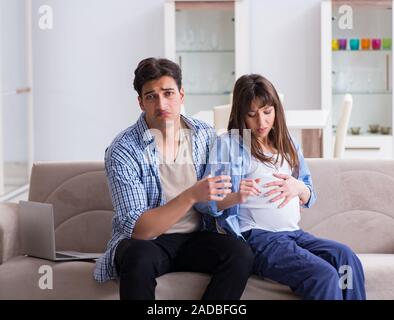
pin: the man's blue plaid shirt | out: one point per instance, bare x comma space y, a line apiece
131, 164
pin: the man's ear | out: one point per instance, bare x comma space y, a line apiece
182, 93
141, 103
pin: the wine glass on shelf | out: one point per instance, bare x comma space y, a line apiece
184, 41
214, 41
202, 39
369, 81
350, 84
229, 82
191, 84
341, 82
210, 83
191, 39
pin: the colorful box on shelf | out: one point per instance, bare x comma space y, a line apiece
365, 43
376, 44
334, 44
386, 43
354, 44
342, 44
338, 44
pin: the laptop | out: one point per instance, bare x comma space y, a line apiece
37, 230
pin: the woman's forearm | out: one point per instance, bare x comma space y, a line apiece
305, 194
229, 201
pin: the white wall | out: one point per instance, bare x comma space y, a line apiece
12, 72
285, 48
83, 72
83, 68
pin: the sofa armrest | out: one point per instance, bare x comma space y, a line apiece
9, 231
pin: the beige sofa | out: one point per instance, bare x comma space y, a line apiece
355, 206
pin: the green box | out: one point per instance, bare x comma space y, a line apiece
386, 43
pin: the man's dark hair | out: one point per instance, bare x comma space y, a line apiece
153, 69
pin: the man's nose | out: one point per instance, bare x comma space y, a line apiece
162, 102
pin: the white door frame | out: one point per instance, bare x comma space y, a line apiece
326, 68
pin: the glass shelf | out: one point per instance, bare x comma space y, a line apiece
362, 93
355, 51
205, 51
368, 134
207, 93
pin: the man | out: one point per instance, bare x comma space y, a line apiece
154, 169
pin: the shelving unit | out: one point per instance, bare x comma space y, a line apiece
212, 54
362, 93
365, 74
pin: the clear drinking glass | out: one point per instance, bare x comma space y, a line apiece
220, 169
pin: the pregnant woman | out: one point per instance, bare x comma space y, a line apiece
270, 183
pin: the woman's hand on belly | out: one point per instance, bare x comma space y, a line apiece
288, 188
248, 188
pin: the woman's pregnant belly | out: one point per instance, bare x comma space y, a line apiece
260, 212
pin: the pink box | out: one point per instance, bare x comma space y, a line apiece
376, 44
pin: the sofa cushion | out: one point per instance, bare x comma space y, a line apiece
9, 235
73, 280
379, 275
82, 204
354, 203
188, 285
378, 269
19, 279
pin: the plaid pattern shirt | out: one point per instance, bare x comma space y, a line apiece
131, 165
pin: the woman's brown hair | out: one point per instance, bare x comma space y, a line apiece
247, 89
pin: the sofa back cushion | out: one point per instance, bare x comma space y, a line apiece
355, 203
82, 205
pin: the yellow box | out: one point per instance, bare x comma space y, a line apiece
335, 44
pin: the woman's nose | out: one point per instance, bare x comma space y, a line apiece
261, 120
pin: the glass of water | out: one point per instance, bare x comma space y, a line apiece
220, 169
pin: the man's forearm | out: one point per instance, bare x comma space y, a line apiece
155, 222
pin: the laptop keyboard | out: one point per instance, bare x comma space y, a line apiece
60, 255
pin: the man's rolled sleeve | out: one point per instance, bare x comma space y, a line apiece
128, 194
305, 176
